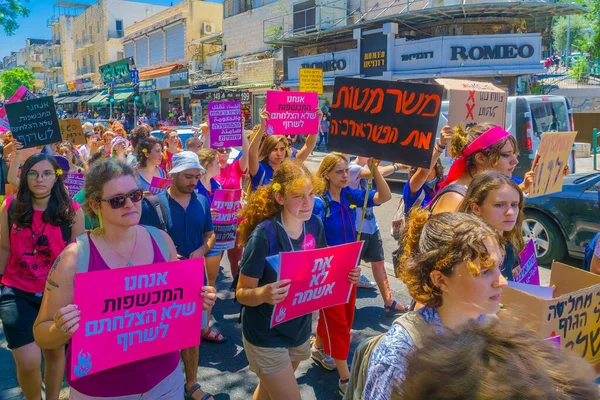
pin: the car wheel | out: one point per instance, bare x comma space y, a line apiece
547, 238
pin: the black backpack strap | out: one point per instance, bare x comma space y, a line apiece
455, 187
157, 206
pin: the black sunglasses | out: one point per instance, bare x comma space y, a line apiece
119, 201
224, 151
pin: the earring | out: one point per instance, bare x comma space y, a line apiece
100, 223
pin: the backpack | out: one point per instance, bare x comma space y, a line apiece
589, 253
157, 206
65, 227
416, 327
83, 247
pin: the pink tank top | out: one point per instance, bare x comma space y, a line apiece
32, 253
128, 379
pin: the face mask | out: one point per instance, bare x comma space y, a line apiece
431, 183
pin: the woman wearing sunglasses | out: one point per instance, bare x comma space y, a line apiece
36, 225
113, 197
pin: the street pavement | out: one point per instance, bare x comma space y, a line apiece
223, 367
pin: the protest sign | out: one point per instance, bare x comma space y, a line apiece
529, 266
74, 183
226, 125
227, 204
552, 157
141, 312
573, 312
393, 121
292, 113
157, 184
72, 131
319, 280
21, 94
34, 122
475, 102
311, 80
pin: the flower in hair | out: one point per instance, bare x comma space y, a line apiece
59, 172
276, 187
352, 206
144, 151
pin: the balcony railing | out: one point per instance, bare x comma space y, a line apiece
116, 34
52, 20
86, 70
83, 42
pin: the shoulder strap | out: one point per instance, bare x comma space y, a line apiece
415, 325
360, 366
455, 187
269, 227
327, 207
159, 209
83, 253
160, 240
165, 203
9, 212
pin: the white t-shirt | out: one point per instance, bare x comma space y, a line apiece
370, 223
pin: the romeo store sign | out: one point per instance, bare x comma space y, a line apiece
341, 63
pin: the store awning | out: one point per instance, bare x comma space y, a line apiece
87, 97
157, 72
66, 100
99, 99
248, 86
124, 96
178, 92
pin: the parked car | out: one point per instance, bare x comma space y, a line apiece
527, 117
565, 222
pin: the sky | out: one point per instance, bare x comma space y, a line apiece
35, 27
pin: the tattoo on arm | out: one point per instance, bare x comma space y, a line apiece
49, 281
54, 266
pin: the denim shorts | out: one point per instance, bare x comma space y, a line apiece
18, 311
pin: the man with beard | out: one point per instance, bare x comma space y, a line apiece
189, 223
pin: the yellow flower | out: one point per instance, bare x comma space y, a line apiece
59, 172
352, 206
144, 151
276, 187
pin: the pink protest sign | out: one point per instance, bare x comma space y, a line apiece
319, 280
292, 113
141, 312
74, 183
157, 184
227, 204
530, 272
226, 126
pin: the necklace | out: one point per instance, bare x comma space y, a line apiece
41, 198
288, 235
38, 235
129, 263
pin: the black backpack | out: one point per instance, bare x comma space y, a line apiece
159, 209
65, 228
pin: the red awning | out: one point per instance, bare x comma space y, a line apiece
157, 72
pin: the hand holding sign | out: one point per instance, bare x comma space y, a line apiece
66, 319
276, 292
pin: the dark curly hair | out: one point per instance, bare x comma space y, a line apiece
439, 243
60, 207
146, 144
138, 134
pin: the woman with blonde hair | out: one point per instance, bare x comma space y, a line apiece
267, 153
337, 209
499, 201
451, 264
278, 217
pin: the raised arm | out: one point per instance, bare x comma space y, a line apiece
383, 189
311, 142
255, 144
15, 164
244, 158
420, 177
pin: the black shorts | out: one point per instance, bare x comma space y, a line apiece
18, 311
372, 250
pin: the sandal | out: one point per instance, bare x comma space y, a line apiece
216, 338
194, 389
392, 310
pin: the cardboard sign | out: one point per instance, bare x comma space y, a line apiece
74, 183
157, 184
226, 124
553, 153
292, 113
319, 280
393, 121
34, 122
72, 131
141, 312
472, 103
530, 272
311, 80
573, 313
227, 203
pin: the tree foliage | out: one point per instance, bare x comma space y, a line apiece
594, 18
13, 79
579, 24
10, 10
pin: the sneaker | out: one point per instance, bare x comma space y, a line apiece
319, 356
343, 387
365, 283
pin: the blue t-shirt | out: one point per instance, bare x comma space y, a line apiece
214, 185
263, 175
355, 182
339, 219
409, 199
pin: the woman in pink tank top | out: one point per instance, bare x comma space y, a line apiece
37, 224
113, 197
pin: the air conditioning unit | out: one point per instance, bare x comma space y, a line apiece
208, 28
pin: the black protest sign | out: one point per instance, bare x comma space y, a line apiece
393, 121
34, 122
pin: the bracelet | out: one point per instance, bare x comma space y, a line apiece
440, 145
439, 149
395, 168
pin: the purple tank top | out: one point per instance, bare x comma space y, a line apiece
133, 378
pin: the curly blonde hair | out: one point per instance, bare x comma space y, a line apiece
480, 188
462, 138
291, 177
439, 243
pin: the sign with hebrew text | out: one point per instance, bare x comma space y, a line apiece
319, 279
34, 122
393, 121
141, 312
551, 160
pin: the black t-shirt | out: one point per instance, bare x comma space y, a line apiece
256, 320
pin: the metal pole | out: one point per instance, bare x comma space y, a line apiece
595, 145
568, 55
134, 113
110, 110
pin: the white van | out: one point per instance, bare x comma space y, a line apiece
527, 117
